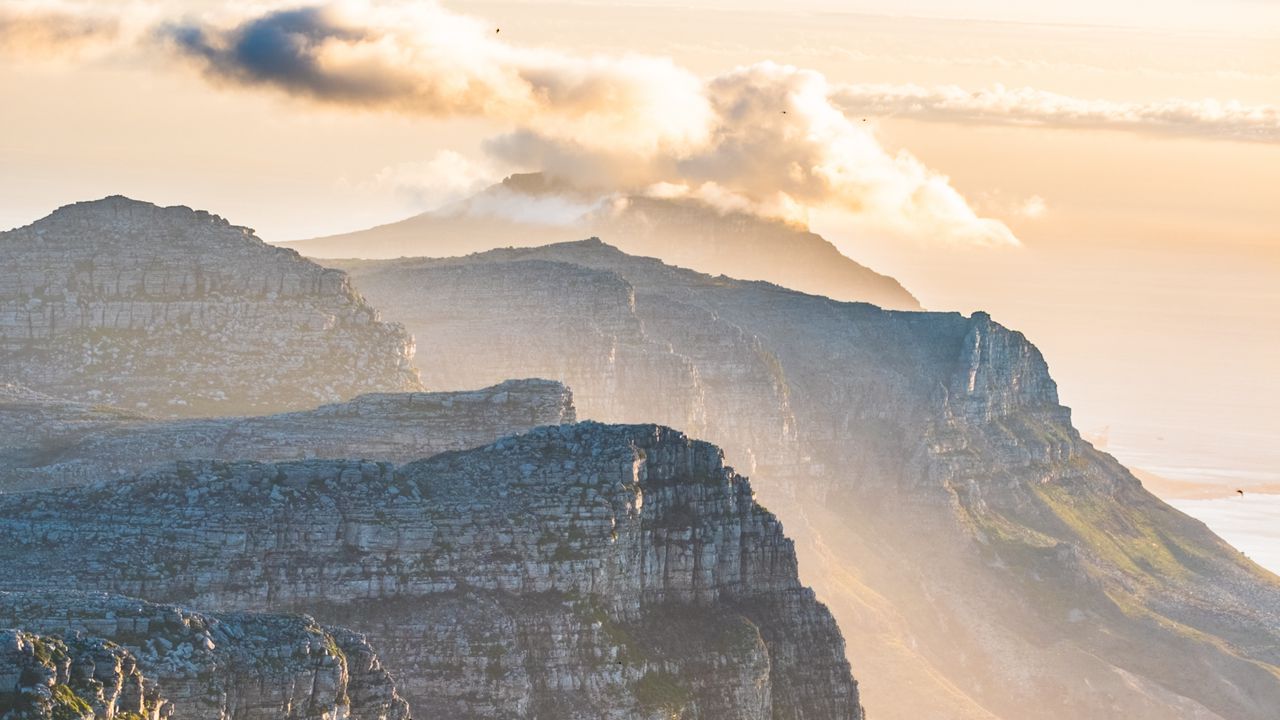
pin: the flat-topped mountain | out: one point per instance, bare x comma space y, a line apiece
579, 571
179, 313
982, 559
534, 209
45, 442
97, 656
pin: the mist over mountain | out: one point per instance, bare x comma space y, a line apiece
535, 209
972, 546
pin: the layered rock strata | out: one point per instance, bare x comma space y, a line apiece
46, 442
179, 313
685, 232
579, 571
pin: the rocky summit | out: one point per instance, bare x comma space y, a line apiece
177, 312
46, 442
983, 560
575, 571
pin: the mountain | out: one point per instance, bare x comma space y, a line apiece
574, 571
533, 209
179, 313
982, 559
45, 442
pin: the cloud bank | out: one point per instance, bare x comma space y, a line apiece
766, 138
1207, 118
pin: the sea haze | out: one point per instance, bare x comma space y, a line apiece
1250, 522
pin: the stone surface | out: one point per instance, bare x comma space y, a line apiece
687, 233
46, 442
82, 679
577, 571
105, 656
973, 547
179, 313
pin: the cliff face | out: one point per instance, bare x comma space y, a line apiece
579, 571
659, 385
45, 442
973, 547
179, 313
93, 655
687, 233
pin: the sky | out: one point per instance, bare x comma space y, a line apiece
1100, 175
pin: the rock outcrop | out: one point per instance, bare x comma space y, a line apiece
46, 442
179, 313
687, 233
578, 571
84, 678
99, 656
973, 547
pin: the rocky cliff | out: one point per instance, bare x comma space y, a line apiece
579, 571
534, 209
46, 442
973, 547
99, 656
179, 313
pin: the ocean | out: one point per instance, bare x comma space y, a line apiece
1251, 523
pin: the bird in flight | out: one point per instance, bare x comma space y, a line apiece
1241, 492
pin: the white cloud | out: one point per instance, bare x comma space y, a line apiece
764, 137
1228, 120
1033, 207
446, 178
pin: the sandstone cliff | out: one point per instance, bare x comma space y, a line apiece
688, 233
579, 571
973, 547
99, 656
179, 313
46, 442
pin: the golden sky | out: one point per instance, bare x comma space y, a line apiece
1104, 176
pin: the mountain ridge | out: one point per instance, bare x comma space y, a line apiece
931, 477
682, 232
122, 302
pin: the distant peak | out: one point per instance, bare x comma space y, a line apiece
536, 183
115, 203
122, 208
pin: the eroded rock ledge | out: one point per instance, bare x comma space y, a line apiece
45, 442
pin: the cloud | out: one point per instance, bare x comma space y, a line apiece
765, 137
1208, 118
43, 30
419, 59
446, 178
779, 146
554, 210
1033, 207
